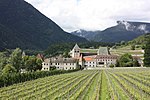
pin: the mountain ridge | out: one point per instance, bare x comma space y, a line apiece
123, 31
22, 25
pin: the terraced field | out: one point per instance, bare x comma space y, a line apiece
107, 84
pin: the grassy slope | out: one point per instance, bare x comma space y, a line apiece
127, 49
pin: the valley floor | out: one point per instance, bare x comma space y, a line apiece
104, 84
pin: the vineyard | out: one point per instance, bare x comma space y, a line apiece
108, 84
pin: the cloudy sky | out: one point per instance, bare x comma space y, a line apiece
92, 14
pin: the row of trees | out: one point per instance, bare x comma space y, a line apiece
127, 60
13, 78
15, 62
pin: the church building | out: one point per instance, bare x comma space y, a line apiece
102, 58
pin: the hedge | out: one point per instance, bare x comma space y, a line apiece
14, 78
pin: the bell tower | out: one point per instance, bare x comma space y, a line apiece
76, 52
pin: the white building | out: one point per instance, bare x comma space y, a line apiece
75, 53
99, 58
60, 63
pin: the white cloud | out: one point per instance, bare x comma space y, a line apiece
92, 14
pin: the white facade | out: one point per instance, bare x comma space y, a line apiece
60, 64
75, 53
65, 66
90, 63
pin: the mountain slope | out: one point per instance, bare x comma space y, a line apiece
123, 31
21, 25
141, 40
89, 35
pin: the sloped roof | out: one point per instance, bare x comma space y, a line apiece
60, 60
103, 51
65, 60
89, 58
106, 57
76, 47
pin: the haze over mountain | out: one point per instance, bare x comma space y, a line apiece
89, 35
21, 25
123, 31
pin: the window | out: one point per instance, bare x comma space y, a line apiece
70, 67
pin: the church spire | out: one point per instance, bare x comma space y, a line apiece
76, 46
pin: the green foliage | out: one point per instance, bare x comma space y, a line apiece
16, 59
117, 63
17, 29
9, 79
110, 84
8, 69
111, 66
66, 55
132, 47
126, 60
147, 53
136, 63
64, 48
53, 68
3, 61
141, 40
32, 63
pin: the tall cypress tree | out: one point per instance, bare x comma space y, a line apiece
147, 53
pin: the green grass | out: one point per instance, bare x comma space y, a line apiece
127, 49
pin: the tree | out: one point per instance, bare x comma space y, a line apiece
23, 62
136, 63
111, 66
132, 47
33, 63
117, 63
147, 53
3, 61
16, 58
66, 54
126, 60
8, 69
38, 64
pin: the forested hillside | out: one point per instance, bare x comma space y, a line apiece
23, 26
